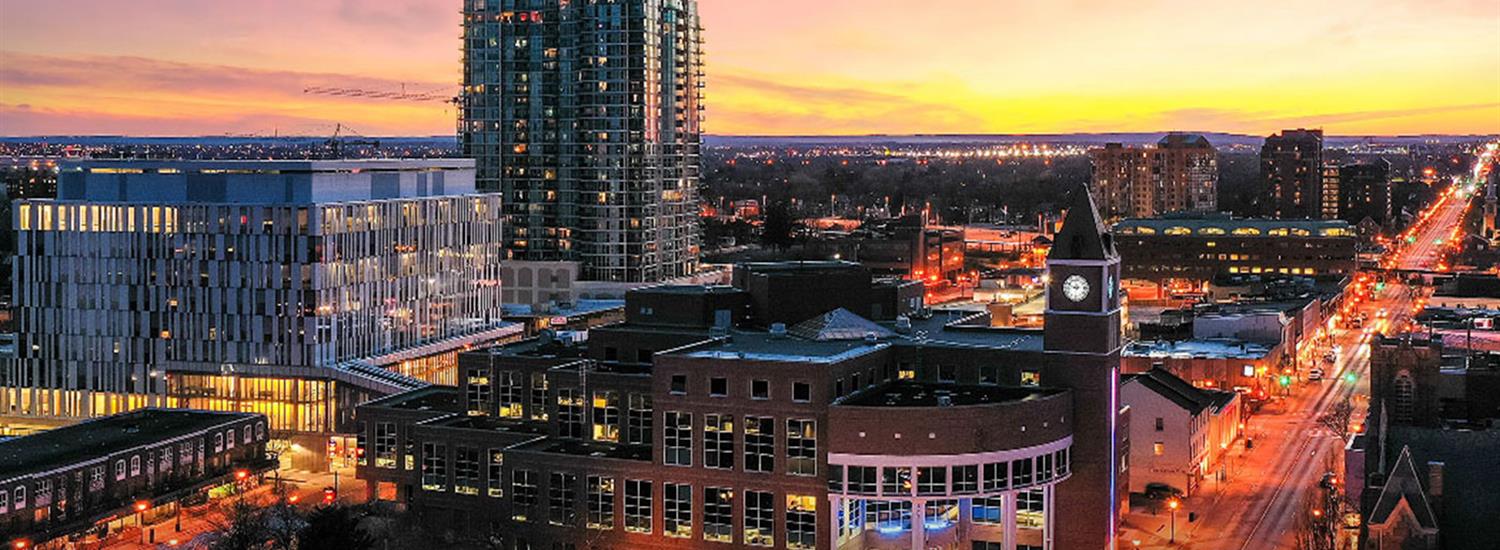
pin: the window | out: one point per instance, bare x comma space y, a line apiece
932, 480
1062, 462
135, 463
988, 511
986, 545
801, 447
218, 442
4, 501
966, 479
718, 387
465, 470
120, 470
760, 444
539, 396
477, 392
906, 372
1031, 509
801, 522
18, 497
606, 416
164, 460
677, 435
862, 480
562, 499
96, 479
249, 435
947, 373
718, 441
638, 420
760, 518
677, 510
996, 475
1159, 424
1158, 448
637, 506
510, 395
569, 413
260, 430
228, 439
385, 444
1031, 378
496, 477
523, 494
801, 392
889, 515
679, 384
1044, 468
434, 467
718, 514
43, 493
601, 502
989, 374
760, 389
1020, 473
895, 481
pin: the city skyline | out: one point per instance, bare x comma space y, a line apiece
964, 68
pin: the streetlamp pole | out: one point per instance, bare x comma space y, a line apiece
1173, 504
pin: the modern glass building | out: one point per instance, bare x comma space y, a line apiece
290, 288
585, 117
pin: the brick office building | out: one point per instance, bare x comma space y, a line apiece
804, 407
98, 475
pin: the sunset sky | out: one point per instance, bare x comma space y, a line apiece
211, 67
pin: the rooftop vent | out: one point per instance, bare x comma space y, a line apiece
778, 330
903, 324
945, 400
871, 338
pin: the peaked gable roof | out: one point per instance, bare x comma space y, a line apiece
1403, 485
1191, 398
1083, 235
839, 324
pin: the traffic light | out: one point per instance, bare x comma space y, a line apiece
1285, 380
1350, 377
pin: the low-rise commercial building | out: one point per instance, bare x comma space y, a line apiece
1210, 363
1196, 249
92, 478
1179, 432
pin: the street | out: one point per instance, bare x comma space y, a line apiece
1269, 487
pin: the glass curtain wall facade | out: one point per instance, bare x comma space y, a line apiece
237, 306
585, 116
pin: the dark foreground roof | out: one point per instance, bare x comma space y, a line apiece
104, 436
1403, 485
1179, 391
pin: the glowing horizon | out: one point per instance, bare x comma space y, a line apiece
784, 67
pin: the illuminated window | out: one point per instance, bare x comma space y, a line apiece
801, 522
988, 511
495, 477
1031, 509
606, 416
1031, 378
677, 510
466, 471
601, 502
1158, 448
718, 514
802, 447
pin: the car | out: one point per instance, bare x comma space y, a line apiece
1162, 491
1314, 374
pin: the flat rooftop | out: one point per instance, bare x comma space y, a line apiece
486, 423
281, 182
1205, 348
763, 346
960, 328
589, 449
101, 437
1212, 226
926, 394
428, 398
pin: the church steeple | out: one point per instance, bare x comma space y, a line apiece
1083, 235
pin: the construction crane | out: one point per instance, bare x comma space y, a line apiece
401, 95
337, 145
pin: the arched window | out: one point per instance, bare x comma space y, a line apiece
1406, 390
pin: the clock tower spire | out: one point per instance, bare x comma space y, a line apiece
1083, 288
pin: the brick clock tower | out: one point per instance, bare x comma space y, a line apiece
1082, 344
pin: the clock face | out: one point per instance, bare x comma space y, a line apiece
1076, 288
